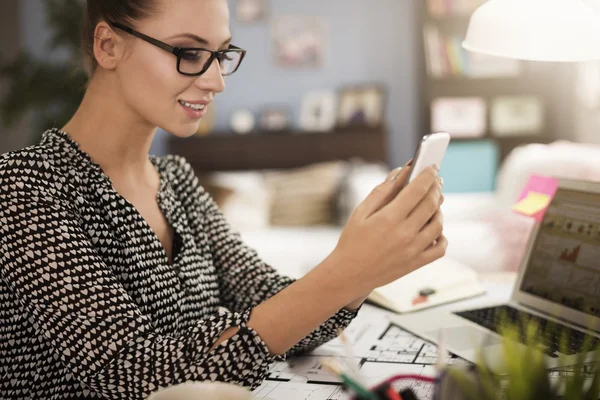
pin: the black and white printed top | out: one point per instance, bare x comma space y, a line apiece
91, 306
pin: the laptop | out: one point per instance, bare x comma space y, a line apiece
558, 284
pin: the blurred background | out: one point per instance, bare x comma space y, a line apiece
331, 96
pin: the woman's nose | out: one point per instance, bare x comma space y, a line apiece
212, 80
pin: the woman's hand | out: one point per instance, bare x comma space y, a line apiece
392, 233
389, 235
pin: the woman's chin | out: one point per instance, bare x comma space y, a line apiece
183, 131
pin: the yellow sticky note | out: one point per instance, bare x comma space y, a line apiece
532, 204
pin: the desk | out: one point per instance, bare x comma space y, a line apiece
380, 349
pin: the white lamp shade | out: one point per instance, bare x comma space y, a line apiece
536, 30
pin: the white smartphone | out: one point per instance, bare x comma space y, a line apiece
430, 151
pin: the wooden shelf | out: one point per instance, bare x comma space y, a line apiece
224, 151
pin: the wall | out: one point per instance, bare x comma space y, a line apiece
373, 43
368, 42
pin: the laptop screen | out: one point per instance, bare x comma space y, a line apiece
564, 266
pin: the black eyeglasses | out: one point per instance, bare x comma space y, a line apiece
195, 61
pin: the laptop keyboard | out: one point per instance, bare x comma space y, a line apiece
499, 317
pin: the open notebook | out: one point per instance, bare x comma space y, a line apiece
443, 281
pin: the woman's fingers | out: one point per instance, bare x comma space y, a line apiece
383, 193
430, 233
434, 252
429, 205
393, 174
412, 195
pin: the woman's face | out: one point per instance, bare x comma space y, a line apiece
148, 75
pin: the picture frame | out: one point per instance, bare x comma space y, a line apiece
275, 119
362, 105
299, 41
251, 11
461, 117
319, 111
517, 115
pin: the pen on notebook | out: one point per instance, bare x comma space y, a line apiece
354, 386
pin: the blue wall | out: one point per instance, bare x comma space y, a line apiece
369, 41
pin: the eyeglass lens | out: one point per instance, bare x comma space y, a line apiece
195, 61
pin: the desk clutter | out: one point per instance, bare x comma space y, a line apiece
374, 355
372, 348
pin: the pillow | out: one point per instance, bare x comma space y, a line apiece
561, 159
219, 193
243, 198
359, 180
304, 196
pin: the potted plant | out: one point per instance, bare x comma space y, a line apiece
526, 375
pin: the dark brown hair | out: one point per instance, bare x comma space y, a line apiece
125, 12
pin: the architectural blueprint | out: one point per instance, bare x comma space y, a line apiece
379, 350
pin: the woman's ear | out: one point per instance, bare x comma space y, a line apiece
108, 46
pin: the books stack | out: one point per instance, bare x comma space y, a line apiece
304, 196
445, 57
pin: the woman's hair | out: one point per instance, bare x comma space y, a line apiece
121, 11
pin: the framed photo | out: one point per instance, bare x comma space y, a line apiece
319, 111
299, 41
251, 10
517, 115
459, 116
275, 119
362, 106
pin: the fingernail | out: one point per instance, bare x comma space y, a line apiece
409, 163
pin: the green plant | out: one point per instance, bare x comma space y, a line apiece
50, 89
526, 374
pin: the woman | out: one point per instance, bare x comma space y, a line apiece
119, 273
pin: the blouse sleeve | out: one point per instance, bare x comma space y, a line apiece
244, 279
82, 311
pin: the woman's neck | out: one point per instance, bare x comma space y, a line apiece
112, 133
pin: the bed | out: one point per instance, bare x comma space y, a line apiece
472, 238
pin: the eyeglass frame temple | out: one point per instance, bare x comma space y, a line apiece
176, 51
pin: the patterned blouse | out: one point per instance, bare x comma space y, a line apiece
91, 307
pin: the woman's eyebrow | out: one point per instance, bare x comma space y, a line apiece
190, 36
197, 38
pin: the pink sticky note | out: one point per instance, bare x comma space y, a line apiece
537, 187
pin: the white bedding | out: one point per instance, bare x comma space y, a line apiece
472, 240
